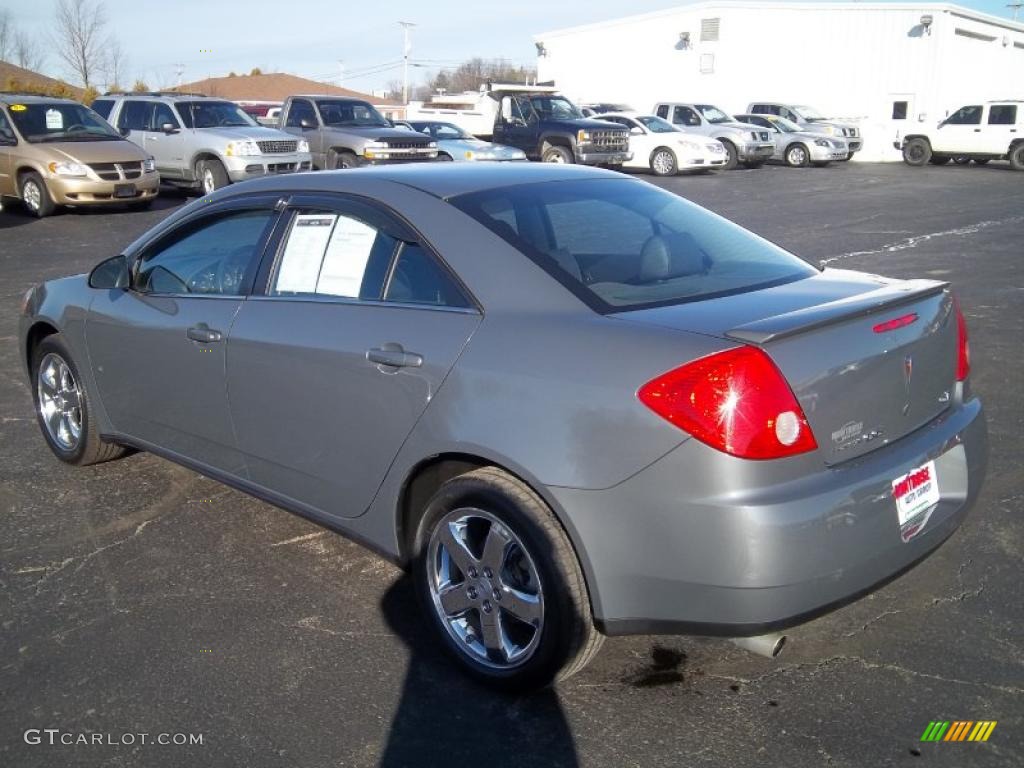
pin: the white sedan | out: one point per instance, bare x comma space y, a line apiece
659, 146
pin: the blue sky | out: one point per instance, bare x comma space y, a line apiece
309, 37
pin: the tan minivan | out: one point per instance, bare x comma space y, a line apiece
59, 152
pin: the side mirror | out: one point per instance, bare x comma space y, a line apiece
305, 123
636, 131
7, 139
169, 128
110, 274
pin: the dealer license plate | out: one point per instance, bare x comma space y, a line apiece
916, 494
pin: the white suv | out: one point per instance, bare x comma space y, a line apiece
980, 132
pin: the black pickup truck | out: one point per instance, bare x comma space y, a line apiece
551, 128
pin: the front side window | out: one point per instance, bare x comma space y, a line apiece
162, 114
210, 257
41, 122
1002, 114
329, 254
350, 113
300, 110
213, 114
966, 116
620, 244
5, 129
899, 110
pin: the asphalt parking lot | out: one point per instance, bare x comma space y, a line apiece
137, 596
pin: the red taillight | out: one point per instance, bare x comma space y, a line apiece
963, 356
894, 323
736, 401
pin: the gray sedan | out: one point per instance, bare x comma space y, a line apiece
797, 147
572, 403
454, 143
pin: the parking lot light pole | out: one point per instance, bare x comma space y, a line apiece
406, 47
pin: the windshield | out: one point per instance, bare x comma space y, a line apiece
810, 113
713, 114
441, 131
657, 124
784, 125
555, 108
212, 114
42, 122
344, 112
620, 244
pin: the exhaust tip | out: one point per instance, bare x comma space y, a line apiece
768, 646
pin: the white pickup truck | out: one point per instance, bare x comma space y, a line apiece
978, 132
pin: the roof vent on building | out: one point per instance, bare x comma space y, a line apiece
709, 30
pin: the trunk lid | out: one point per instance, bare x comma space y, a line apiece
861, 384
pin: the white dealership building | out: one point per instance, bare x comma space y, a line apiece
885, 66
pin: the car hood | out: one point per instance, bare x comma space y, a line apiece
737, 125
243, 132
95, 151
379, 134
479, 148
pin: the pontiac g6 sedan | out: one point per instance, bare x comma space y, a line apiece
575, 405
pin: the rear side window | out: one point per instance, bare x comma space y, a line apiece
102, 107
418, 279
1002, 114
134, 116
212, 256
620, 244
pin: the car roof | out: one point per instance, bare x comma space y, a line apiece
32, 98
443, 180
327, 96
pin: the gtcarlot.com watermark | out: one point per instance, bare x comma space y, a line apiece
56, 737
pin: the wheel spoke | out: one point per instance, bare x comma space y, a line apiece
48, 380
53, 416
454, 599
524, 606
495, 547
456, 548
493, 631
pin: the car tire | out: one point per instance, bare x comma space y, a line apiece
732, 158
939, 159
212, 176
555, 153
663, 162
515, 614
1017, 158
982, 160
917, 152
343, 160
35, 196
64, 407
798, 156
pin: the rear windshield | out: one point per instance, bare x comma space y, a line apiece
621, 244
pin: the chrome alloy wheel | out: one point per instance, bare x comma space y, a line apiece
663, 163
59, 401
209, 183
485, 588
797, 155
31, 195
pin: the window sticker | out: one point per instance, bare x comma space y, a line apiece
345, 261
54, 120
304, 253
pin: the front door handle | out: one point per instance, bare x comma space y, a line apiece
204, 334
977, 130
394, 356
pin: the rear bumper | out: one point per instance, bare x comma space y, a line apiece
88, 192
702, 543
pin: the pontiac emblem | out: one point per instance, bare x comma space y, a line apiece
908, 371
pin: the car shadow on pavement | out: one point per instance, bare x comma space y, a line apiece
444, 718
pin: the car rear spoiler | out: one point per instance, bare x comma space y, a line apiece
808, 319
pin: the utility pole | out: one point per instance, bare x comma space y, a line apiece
1016, 7
179, 70
406, 47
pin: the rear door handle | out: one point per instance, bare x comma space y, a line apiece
203, 334
394, 356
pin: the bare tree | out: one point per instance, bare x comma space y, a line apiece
6, 34
26, 53
80, 37
114, 63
